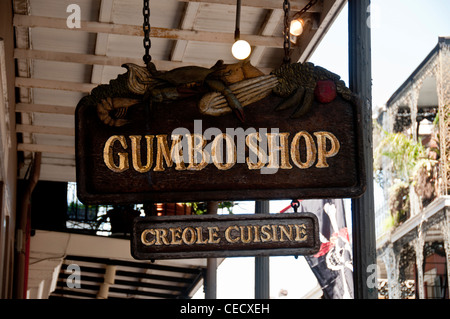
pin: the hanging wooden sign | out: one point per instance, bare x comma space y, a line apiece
212, 236
225, 133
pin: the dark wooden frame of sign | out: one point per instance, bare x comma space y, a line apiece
142, 252
345, 178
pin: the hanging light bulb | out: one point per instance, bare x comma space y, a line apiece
296, 27
241, 49
297, 24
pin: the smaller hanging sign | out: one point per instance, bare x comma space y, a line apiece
212, 236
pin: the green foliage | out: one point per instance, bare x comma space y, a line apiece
403, 152
389, 223
228, 206
405, 156
399, 204
199, 208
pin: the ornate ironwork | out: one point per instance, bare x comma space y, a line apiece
443, 82
403, 118
431, 248
407, 259
408, 289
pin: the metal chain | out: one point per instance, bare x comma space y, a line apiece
146, 27
306, 8
295, 204
286, 36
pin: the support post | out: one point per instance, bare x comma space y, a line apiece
262, 270
360, 81
211, 263
8, 147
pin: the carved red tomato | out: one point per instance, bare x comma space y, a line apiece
325, 91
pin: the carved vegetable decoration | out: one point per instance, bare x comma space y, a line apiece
300, 83
222, 89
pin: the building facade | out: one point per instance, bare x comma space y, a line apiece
413, 225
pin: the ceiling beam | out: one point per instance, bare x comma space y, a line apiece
136, 30
296, 5
267, 29
74, 57
54, 85
24, 66
187, 23
97, 59
42, 108
52, 130
57, 149
101, 43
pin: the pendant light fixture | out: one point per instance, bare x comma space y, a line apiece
241, 49
297, 23
297, 27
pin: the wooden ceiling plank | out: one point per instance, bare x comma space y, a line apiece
132, 30
73, 57
296, 5
24, 66
268, 28
38, 129
43, 108
187, 23
57, 149
54, 85
100, 60
101, 43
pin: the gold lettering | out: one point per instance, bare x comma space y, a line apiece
162, 153
311, 150
196, 148
184, 236
176, 152
136, 153
144, 239
254, 148
228, 234
274, 233
284, 151
108, 156
161, 234
230, 150
274, 148
304, 151
266, 234
213, 235
257, 238
176, 236
249, 234
322, 138
301, 232
200, 236
285, 232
